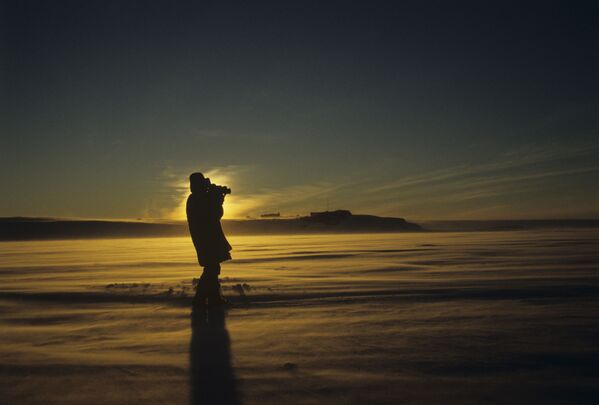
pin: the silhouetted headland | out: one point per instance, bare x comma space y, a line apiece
507, 224
22, 228
341, 221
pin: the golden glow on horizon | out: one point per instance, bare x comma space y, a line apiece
233, 207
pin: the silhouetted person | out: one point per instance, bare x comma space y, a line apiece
211, 375
204, 211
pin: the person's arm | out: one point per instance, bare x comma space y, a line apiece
216, 201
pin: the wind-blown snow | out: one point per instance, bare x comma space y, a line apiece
391, 318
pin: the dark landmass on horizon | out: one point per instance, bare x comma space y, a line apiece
26, 228
23, 228
480, 225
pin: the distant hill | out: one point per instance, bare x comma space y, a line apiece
507, 224
22, 228
340, 221
49, 228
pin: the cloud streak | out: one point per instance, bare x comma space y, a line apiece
490, 189
468, 190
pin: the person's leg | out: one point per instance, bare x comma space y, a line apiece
214, 290
202, 288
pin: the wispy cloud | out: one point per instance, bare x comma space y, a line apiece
489, 188
469, 188
515, 159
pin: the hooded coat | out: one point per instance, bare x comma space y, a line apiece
204, 211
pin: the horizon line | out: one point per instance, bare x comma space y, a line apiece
173, 221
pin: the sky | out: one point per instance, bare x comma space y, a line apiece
416, 109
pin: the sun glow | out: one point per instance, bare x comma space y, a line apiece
234, 206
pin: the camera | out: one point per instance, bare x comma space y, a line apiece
218, 189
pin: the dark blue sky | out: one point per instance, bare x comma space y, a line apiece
418, 109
